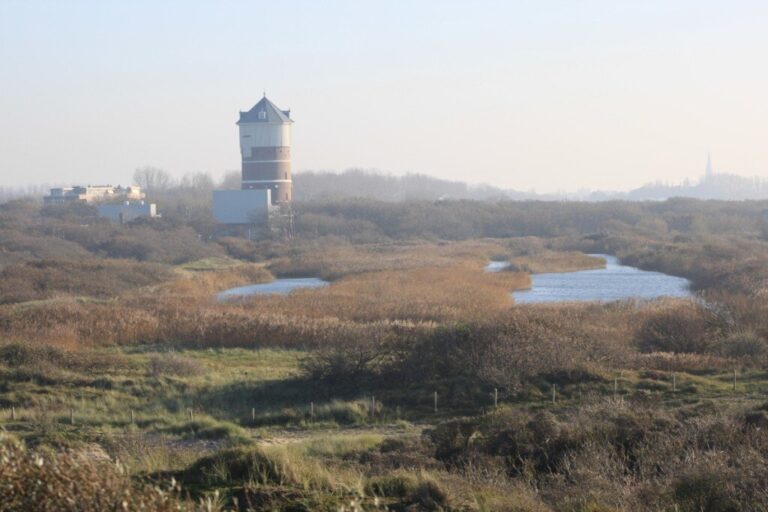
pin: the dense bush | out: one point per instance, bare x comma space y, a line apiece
238, 465
687, 328
71, 232
618, 456
73, 481
91, 278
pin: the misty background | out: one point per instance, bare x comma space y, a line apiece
558, 96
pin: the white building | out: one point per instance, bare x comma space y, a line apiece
127, 211
92, 194
242, 206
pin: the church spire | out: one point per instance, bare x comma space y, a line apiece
709, 171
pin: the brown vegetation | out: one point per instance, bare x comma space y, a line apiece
93, 278
75, 481
403, 319
420, 295
334, 259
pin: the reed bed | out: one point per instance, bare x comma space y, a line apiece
333, 261
432, 294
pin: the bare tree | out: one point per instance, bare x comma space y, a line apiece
231, 180
151, 178
199, 181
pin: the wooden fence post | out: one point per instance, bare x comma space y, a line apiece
13, 413
495, 398
674, 382
734, 379
312, 410
554, 393
253, 414
435, 401
71, 415
132, 417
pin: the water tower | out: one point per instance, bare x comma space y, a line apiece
265, 146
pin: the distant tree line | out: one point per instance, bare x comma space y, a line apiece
364, 219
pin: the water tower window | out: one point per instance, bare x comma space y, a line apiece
262, 114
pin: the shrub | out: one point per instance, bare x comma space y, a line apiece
339, 412
394, 486
19, 355
206, 428
704, 491
688, 328
174, 364
744, 344
91, 278
430, 495
238, 465
345, 413
71, 481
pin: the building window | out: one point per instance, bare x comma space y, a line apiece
286, 175
262, 114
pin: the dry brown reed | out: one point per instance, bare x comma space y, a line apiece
76, 481
424, 294
556, 261
334, 261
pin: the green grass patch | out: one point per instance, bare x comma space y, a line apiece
211, 429
212, 263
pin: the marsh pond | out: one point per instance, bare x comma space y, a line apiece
278, 286
614, 282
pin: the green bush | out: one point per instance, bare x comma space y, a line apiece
744, 344
393, 486
206, 428
704, 491
238, 466
430, 495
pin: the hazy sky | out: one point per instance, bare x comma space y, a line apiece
552, 95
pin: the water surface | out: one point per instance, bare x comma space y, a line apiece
496, 266
278, 286
614, 282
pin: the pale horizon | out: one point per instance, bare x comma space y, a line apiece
551, 96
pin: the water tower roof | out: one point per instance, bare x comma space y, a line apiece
265, 112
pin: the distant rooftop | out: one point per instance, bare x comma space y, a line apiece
265, 112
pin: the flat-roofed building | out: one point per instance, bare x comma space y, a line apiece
92, 194
127, 211
250, 207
